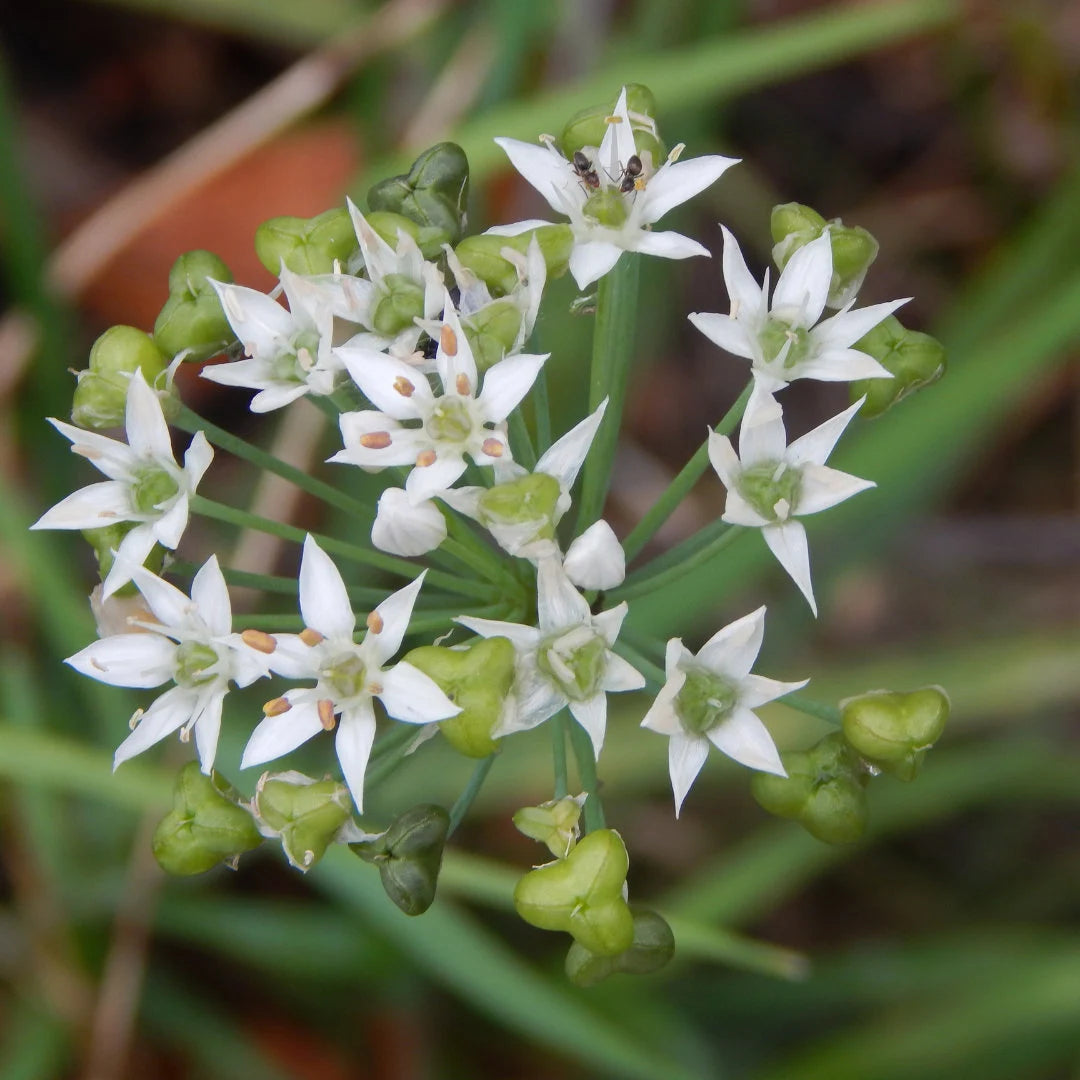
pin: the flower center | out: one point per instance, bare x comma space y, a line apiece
531, 498
777, 335
192, 662
403, 301
345, 675
451, 420
575, 660
771, 488
295, 364
704, 701
153, 487
606, 207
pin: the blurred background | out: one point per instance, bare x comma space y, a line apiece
946, 945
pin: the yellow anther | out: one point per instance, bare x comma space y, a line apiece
448, 340
258, 640
326, 714
404, 387
462, 385
375, 440
276, 706
310, 637
425, 458
493, 448
375, 623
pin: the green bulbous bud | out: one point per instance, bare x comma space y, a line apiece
400, 304
653, 946
797, 225
823, 791
482, 255
893, 731
307, 245
582, 895
433, 193
586, 128
916, 360
530, 498
205, 826
307, 814
409, 856
190, 275
389, 226
100, 398
492, 331
192, 318
478, 680
553, 823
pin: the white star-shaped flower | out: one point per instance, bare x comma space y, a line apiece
770, 483
785, 342
446, 427
288, 351
566, 660
607, 220
348, 676
188, 642
709, 698
145, 486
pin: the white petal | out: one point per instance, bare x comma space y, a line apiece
761, 435
724, 460
394, 613
414, 697
294, 659
559, 604
90, 507
138, 660
356, 733
609, 623
169, 713
731, 652
546, 169
262, 324
756, 690
535, 700
803, 286
197, 460
169, 528
170, 606
620, 676
839, 365
788, 543
210, 593
730, 334
522, 637
737, 511
516, 228
427, 481
507, 382
147, 432
253, 374
452, 365
846, 327
208, 728
378, 377
592, 716
565, 456
816, 446
591, 260
617, 146
128, 559
324, 600
823, 488
676, 182
745, 293
669, 245
115, 459
402, 528
595, 560
745, 739
662, 716
279, 735
277, 397
686, 756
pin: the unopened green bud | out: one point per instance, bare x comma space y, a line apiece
893, 731
307, 814
401, 301
192, 319
482, 254
100, 398
306, 245
554, 823
853, 248
587, 127
492, 331
106, 539
823, 791
205, 826
916, 360
477, 679
390, 226
582, 895
409, 856
653, 947
433, 193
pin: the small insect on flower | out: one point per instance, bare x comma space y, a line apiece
585, 171
631, 175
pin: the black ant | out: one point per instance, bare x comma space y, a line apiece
585, 171
630, 174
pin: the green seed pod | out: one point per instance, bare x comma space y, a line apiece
492, 331
582, 895
100, 397
192, 272
916, 360
307, 245
478, 680
307, 814
553, 823
653, 947
205, 826
823, 791
192, 318
893, 731
401, 301
389, 226
433, 193
482, 254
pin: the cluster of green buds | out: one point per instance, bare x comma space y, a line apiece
100, 396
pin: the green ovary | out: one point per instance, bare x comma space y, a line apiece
295, 365
345, 675
193, 661
450, 421
704, 701
575, 662
153, 487
606, 208
776, 335
529, 498
768, 484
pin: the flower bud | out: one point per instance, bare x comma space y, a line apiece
554, 823
409, 856
823, 791
482, 255
307, 245
587, 127
306, 814
492, 331
477, 678
653, 947
433, 193
192, 319
916, 360
205, 826
389, 226
582, 895
853, 248
893, 731
100, 398
106, 539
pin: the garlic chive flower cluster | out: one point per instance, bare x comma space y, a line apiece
480, 593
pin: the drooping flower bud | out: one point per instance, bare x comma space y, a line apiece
306, 814
916, 360
893, 731
582, 895
823, 790
307, 245
653, 947
206, 825
192, 320
554, 823
100, 398
853, 248
477, 678
482, 254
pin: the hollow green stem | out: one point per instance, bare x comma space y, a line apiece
521, 440
680, 487
613, 351
820, 709
272, 583
388, 752
494, 562
653, 582
289, 623
424, 622
586, 763
558, 754
542, 411
472, 789
681, 552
